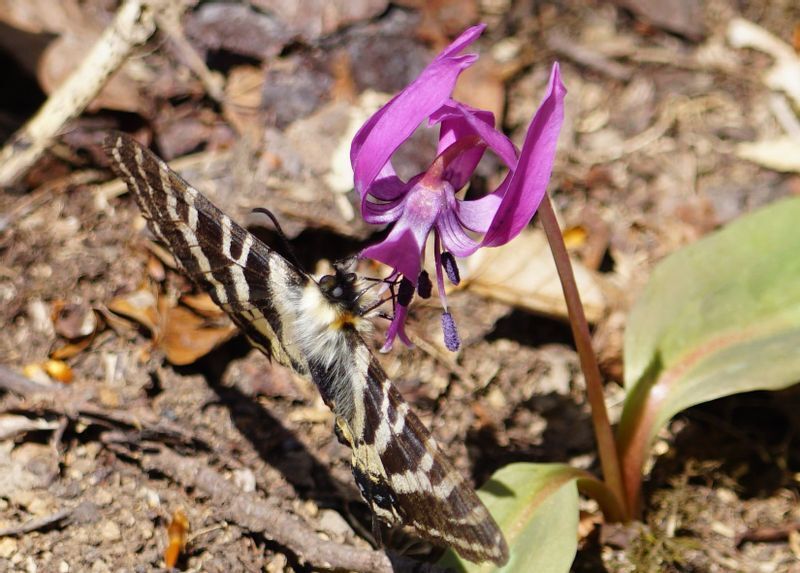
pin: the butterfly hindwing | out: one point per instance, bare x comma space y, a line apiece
430, 496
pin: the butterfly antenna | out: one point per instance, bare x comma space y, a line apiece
381, 301
290, 254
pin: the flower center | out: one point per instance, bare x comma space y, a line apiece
427, 199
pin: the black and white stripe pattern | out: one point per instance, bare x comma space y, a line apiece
285, 313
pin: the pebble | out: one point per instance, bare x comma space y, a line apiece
103, 497
110, 531
8, 547
151, 497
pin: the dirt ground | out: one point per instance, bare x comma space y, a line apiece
154, 405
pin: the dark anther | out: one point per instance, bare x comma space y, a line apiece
405, 293
450, 267
424, 285
451, 339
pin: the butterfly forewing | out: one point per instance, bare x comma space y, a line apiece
396, 463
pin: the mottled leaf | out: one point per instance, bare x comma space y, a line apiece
719, 317
536, 506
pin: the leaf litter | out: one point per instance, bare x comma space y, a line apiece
656, 116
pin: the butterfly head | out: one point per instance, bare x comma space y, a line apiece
340, 287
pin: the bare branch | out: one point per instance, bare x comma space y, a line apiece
251, 511
132, 26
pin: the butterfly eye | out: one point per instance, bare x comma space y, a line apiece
327, 283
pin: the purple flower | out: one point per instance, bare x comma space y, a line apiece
427, 202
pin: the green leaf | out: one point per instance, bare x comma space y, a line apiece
718, 317
536, 506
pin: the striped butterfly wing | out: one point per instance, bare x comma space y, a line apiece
243, 276
428, 493
396, 463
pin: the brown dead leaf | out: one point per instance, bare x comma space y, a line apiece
140, 306
58, 370
187, 336
523, 274
684, 17
48, 371
74, 320
79, 31
311, 19
71, 349
37, 16
202, 304
237, 28
243, 98
12, 425
442, 20
177, 532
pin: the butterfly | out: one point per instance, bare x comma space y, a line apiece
316, 328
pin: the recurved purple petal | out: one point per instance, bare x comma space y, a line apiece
401, 249
390, 126
529, 180
397, 328
477, 214
382, 213
454, 128
453, 236
461, 120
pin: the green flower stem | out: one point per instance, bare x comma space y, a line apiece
606, 446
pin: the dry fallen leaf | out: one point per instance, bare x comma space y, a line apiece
523, 274
785, 73
12, 425
202, 304
140, 306
71, 349
74, 320
243, 95
780, 154
183, 334
187, 337
59, 370
177, 532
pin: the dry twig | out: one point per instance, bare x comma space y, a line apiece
36, 523
132, 26
251, 511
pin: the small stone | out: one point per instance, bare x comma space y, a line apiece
146, 532
151, 497
103, 497
8, 547
110, 531
245, 480
63, 567
334, 524
277, 564
100, 566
